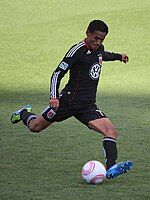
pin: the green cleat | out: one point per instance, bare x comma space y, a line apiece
16, 116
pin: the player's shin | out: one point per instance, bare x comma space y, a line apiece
110, 151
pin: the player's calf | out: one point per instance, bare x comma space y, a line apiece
33, 122
38, 124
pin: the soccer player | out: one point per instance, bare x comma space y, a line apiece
78, 98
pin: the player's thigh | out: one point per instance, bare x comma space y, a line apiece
88, 113
104, 126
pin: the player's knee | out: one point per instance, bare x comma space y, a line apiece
35, 127
112, 132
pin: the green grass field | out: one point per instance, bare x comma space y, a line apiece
34, 35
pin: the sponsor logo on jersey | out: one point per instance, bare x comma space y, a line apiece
95, 71
63, 65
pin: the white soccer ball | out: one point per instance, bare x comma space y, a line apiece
93, 172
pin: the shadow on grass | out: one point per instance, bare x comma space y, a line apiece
113, 104
123, 105
127, 112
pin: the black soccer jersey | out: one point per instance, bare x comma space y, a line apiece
84, 67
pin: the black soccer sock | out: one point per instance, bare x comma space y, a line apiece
110, 151
27, 117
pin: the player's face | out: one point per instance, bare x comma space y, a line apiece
95, 39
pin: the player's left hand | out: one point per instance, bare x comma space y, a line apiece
54, 103
124, 58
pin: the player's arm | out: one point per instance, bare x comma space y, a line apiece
71, 57
56, 77
110, 56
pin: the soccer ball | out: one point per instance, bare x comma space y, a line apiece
93, 172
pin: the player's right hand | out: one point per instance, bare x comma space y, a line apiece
54, 103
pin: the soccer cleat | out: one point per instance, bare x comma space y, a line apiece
16, 116
119, 169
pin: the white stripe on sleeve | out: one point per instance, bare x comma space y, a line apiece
74, 49
54, 84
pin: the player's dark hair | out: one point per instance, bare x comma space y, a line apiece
97, 25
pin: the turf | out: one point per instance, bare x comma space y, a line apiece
34, 35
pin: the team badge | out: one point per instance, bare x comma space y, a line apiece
95, 71
51, 114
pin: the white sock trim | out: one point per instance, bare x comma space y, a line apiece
109, 139
30, 118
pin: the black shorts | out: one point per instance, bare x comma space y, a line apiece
83, 113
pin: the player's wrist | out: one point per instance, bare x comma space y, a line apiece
120, 57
